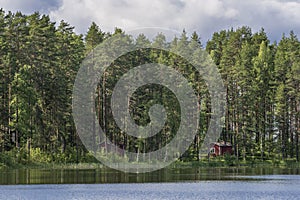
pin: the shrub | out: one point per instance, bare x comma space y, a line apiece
36, 155
229, 159
6, 159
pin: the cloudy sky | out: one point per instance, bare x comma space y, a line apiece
203, 16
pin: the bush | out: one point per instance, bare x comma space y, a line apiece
6, 159
229, 159
88, 158
36, 155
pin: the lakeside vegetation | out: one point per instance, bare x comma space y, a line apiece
38, 65
11, 160
220, 163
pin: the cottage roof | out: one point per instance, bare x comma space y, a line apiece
222, 144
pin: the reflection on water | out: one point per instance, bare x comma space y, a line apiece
104, 175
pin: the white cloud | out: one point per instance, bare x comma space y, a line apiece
129, 14
29, 6
276, 16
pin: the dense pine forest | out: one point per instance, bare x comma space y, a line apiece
39, 60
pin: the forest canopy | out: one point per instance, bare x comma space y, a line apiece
39, 60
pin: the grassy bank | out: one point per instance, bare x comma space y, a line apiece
8, 161
37, 159
233, 162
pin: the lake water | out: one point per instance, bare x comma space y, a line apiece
196, 183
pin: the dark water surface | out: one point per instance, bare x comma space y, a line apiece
195, 183
105, 175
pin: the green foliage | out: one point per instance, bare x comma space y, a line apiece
229, 160
6, 159
38, 66
38, 156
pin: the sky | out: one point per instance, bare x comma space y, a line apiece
203, 16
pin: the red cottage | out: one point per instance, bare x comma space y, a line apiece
220, 148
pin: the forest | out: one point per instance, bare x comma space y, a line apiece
39, 60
